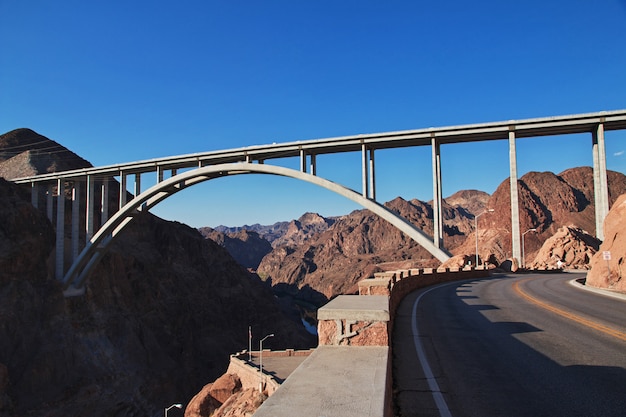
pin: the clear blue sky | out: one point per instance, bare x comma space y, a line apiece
119, 81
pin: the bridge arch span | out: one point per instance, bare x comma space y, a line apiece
98, 245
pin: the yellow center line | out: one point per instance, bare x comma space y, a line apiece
581, 320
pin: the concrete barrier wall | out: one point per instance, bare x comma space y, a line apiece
249, 373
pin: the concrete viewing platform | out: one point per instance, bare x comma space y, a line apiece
375, 307
335, 381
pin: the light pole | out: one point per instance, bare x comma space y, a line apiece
523, 255
261, 360
172, 406
476, 230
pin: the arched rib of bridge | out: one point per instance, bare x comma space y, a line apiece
100, 242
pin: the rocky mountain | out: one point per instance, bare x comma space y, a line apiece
24, 152
354, 247
245, 246
248, 247
473, 201
161, 314
547, 203
359, 244
294, 232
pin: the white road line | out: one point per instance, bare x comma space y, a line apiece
428, 373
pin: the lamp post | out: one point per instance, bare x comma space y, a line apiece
523, 255
261, 361
172, 406
476, 230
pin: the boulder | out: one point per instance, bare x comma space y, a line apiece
202, 404
242, 404
225, 386
570, 247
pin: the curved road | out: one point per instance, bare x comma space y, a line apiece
517, 345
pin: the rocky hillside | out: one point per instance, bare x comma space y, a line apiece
245, 246
24, 153
611, 274
357, 245
547, 203
249, 246
569, 248
160, 316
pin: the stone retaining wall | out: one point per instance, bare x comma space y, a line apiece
249, 373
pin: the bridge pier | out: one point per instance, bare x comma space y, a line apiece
600, 183
515, 227
60, 232
437, 194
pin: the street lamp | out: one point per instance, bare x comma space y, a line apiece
523, 256
172, 406
476, 230
261, 360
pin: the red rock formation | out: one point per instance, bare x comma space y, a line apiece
242, 404
610, 274
569, 248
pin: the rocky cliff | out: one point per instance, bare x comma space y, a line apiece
547, 203
610, 274
355, 246
24, 152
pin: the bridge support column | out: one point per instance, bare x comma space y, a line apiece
104, 202
89, 209
60, 237
313, 165
515, 226
372, 173
437, 198
49, 202
600, 183
302, 161
75, 220
123, 186
368, 176
34, 194
137, 185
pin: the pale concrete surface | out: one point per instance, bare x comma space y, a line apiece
335, 381
279, 367
355, 307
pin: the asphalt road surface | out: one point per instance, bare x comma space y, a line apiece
517, 345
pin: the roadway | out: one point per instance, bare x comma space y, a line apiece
511, 345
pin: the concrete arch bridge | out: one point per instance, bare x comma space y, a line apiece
188, 170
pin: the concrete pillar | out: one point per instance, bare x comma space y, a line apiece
89, 208
364, 174
60, 232
123, 186
372, 179
159, 174
138, 184
104, 202
600, 183
49, 201
437, 198
313, 164
302, 161
34, 194
75, 219
174, 172
515, 227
